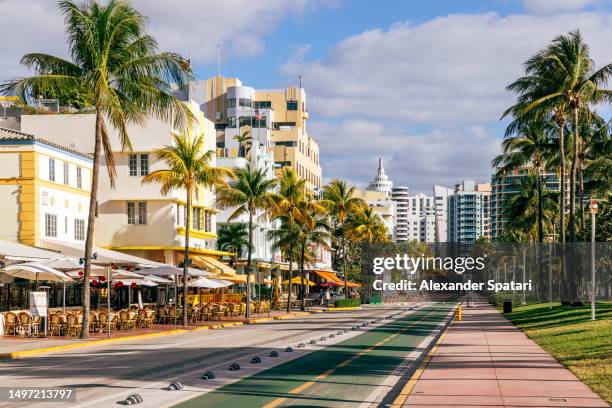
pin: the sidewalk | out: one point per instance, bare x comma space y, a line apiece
484, 361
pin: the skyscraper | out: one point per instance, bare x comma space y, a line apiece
468, 212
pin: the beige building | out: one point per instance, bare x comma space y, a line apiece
277, 117
134, 217
382, 205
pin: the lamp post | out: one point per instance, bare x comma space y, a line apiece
593, 207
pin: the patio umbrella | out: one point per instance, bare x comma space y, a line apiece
168, 270
329, 284
36, 271
298, 281
158, 279
69, 264
203, 282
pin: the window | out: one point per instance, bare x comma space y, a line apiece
133, 163
137, 212
197, 218
79, 177
231, 103
144, 164
292, 105
65, 225
51, 169
288, 144
207, 221
50, 225
231, 122
244, 102
66, 174
79, 229
262, 105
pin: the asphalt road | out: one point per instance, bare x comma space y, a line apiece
105, 375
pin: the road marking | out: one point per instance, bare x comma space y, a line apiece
407, 389
308, 384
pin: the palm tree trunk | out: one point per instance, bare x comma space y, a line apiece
582, 214
302, 276
290, 225
186, 256
562, 177
346, 294
247, 313
91, 219
540, 209
572, 214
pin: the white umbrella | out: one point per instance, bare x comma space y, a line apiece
68, 264
138, 282
223, 283
36, 271
168, 270
203, 282
158, 279
123, 274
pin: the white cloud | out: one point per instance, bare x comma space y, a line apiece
190, 27
551, 6
350, 150
451, 69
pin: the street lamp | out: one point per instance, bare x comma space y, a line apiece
594, 208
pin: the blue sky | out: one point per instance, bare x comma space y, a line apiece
420, 83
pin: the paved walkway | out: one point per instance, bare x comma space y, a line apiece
484, 361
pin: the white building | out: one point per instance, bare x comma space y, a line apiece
381, 182
134, 217
441, 195
468, 212
415, 216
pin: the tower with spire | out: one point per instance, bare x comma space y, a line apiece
381, 182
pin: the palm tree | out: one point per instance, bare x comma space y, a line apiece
233, 238
524, 207
530, 147
292, 191
190, 168
313, 231
561, 79
365, 225
251, 192
115, 64
339, 201
245, 142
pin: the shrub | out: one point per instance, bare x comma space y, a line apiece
348, 302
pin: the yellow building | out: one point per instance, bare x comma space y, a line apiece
44, 190
275, 118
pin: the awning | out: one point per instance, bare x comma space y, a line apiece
20, 252
104, 256
329, 276
212, 265
298, 281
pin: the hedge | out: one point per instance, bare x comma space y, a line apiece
348, 303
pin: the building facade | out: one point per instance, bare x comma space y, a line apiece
381, 204
468, 212
441, 195
278, 116
504, 187
134, 217
44, 190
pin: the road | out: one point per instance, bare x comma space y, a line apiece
341, 371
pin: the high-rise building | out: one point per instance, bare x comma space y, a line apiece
381, 182
468, 212
274, 116
504, 187
400, 195
441, 195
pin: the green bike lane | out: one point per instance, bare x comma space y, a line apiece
342, 374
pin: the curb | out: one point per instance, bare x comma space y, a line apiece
343, 309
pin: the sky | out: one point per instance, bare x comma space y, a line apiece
420, 83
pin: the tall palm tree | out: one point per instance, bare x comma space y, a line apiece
524, 207
251, 192
339, 200
115, 64
233, 238
190, 168
561, 79
245, 141
365, 225
531, 147
313, 231
292, 190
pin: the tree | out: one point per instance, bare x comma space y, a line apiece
245, 141
561, 80
250, 192
292, 191
532, 147
116, 61
364, 225
339, 201
190, 168
233, 238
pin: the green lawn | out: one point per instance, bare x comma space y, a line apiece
583, 346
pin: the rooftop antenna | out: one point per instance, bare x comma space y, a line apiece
219, 59
300, 80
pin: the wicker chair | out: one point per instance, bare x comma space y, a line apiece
94, 323
124, 320
215, 312
72, 324
162, 315
103, 322
24, 323
10, 323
